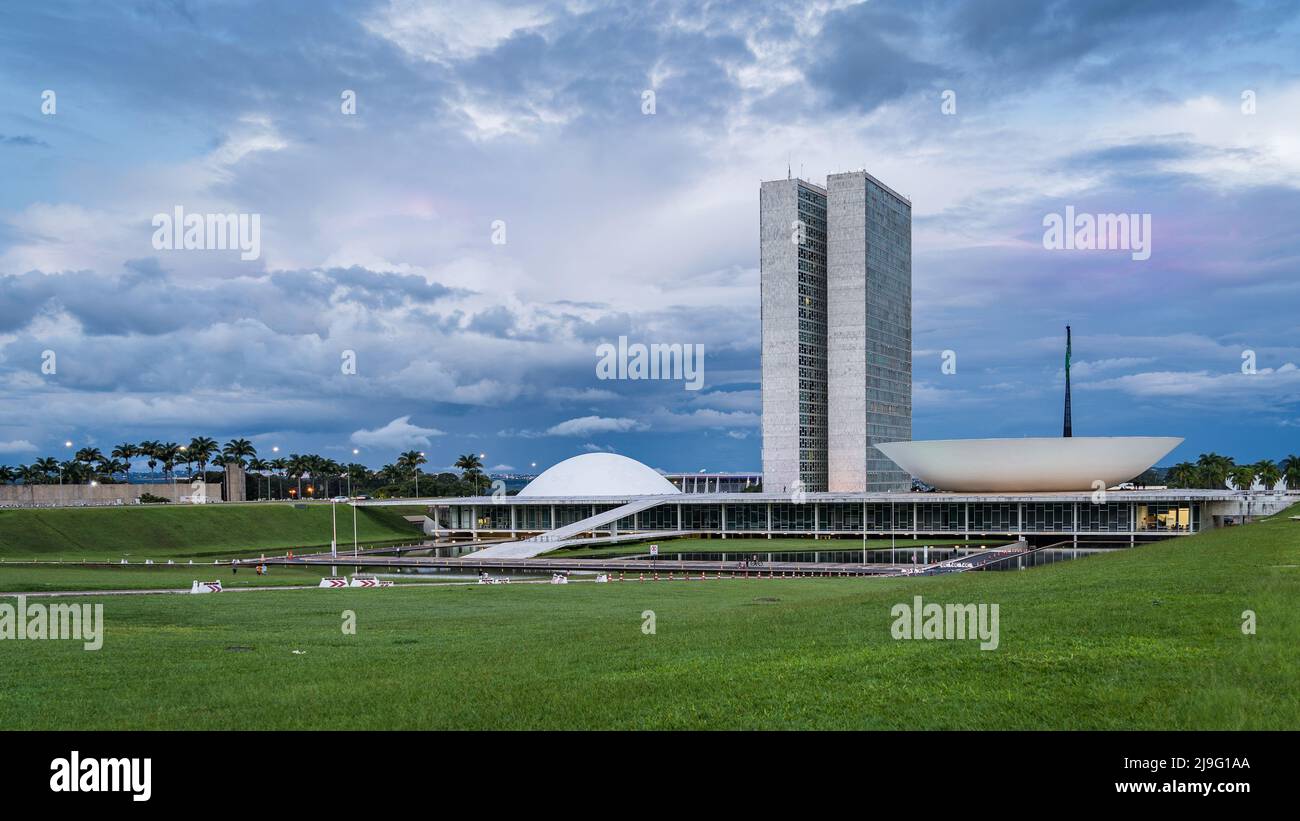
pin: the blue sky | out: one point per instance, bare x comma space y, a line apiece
377, 227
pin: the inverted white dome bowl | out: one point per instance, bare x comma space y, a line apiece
1040, 464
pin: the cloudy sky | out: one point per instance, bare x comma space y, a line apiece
529, 120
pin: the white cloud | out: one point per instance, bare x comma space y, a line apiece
1282, 384
454, 29
17, 446
587, 425
704, 418
1084, 369
397, 434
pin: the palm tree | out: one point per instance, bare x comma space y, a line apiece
238, 450
261, 466
202, 449
1214, 469
411, 461
331, 469
48, 466
169, 454
109, 468
149, 448
297, 466
32, 474
471, 468
7, 475
1242, 476
74, 472
125, 451
88, 455
1291, 471
1268, 473
1182, 474
280, 466
235, 452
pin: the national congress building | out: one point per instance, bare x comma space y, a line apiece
836, 273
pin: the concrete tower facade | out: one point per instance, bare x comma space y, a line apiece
869, 331
836, 267
792, 262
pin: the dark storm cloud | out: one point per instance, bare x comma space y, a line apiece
598, 63
146, 300
862, 58
1022, 40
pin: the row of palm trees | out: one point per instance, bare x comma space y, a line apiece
320, 473
1212, 470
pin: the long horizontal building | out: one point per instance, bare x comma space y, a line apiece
607, 497
1128, 514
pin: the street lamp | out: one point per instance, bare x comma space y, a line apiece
351, 501
417, 478
63, 501
481, 457
334, 539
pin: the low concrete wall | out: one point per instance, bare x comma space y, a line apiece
54, 495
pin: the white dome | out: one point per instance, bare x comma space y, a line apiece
599, 474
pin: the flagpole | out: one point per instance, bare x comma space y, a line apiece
1068, 426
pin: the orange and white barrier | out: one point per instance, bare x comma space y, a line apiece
205, 587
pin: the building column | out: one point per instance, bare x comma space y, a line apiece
473, 521
769, 520
722, 517
512, 521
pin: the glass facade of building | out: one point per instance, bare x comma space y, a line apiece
753, 514
889, 332
812, 339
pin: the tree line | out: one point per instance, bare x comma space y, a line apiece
301, 476
1214, 471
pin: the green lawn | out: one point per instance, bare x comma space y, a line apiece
1143, 638
195, 532
673, 546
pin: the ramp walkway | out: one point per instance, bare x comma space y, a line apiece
567, 535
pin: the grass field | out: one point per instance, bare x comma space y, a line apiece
1143, 638
195, 532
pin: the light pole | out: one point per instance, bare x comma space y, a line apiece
334, 540
417, 478
63, 501
353, 502
481, 457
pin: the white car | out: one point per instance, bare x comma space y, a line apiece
339, 499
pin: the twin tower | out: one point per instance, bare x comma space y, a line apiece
836, 267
